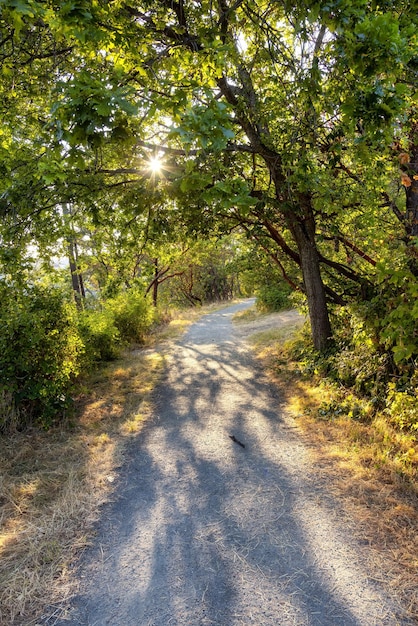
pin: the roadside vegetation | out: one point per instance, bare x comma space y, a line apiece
56, 473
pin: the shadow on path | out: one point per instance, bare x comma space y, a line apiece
205, 532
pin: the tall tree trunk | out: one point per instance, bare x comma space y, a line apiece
315, 295
299, 218
301, 222
80, 275
76, 277
303, 231
411, 190
411, 169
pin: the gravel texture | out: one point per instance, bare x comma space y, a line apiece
203, 531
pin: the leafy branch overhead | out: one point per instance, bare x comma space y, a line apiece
288, 122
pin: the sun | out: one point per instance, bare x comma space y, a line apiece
155, 164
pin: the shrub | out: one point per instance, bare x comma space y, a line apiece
361, 368
100, 336
273, 296
398, 325
402, 407
133, 316
40, 351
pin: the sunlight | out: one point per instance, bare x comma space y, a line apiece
155, 165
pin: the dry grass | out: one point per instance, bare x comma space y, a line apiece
53, 483
370, 467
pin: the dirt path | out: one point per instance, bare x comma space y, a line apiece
206, 532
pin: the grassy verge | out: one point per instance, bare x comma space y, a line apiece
52, 483
370, 466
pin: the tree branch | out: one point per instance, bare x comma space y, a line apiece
352, 247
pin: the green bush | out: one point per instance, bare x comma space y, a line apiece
40, 351
133, 316
358, 362
398, 324
100, 336
402, 407
274, 296
44, 344
360, 368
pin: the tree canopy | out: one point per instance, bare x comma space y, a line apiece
295, 124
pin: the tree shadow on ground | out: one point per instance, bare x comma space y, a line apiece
204, 531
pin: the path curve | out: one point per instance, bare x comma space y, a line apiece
206, 532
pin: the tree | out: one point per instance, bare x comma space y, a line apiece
236, 56
275, 118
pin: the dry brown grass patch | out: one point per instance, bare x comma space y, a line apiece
53, 483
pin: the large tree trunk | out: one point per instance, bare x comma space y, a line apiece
411, 169
300, 219
303, 231
411, 222
315, 294
412, 206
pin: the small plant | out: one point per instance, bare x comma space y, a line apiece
348, 406
133, 316
402, 407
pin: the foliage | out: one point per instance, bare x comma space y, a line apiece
359, 367
204, 272
364, 369
273, 296
113, 323
402, 407
133, 315
45, 345
293, 124
100, 336
40, 353
398, 327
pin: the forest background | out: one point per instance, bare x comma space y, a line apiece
162, 155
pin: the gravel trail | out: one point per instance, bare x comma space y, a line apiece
205, 532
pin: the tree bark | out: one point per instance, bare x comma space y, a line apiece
301, 222
78, 289
155, 286
302, 226
315, 294
76, 276
412, 190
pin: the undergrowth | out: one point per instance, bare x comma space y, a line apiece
52, 483
353, 386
